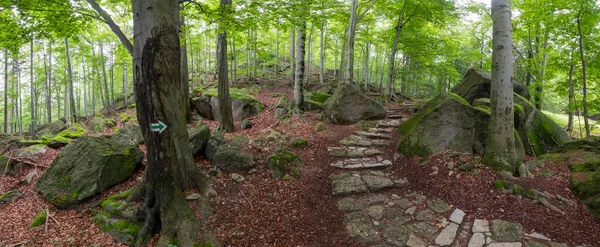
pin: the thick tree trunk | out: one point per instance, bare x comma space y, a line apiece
185, 79
293, 52
225, 111
500, 146
125, 93
169, 166
571, 92
5, 91
71, 95
307, 68
584, 78
85, 90
107, 94
322, 53
300, 51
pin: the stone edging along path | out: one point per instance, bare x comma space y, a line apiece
413, 220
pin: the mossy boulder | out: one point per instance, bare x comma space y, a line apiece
198, 138
130, 135
349, 104
9, 197
315, 100
242, 103
51, 128
6, 140
31, 151
284, 107
283, 162
73, 132
214, 142
56, 142
476, 84
86, 167
448, 122
298, 143
100, 122
232, 159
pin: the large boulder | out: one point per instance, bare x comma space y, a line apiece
315, 100
7, 140
86, 167
198, 138
51, 129
232, 159
284, 107
476, 83
130, 135
243, 104
349, 104
448, 122
100, 122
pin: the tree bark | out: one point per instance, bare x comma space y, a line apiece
225, 111
293, 52
125, 93
48, 69
500, 147
367, 64
351, 33
185, 78
584, 77
322, 51
571, 92
85, 90
391, 61
342, 59
169, 168
307, 68
106, 92
300, 51
71, 95
33, 94
5, 90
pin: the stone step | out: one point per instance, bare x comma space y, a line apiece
388, 123
356, 183
352, 152
381, 130
395, 116
360, 141
373, 135
362, 163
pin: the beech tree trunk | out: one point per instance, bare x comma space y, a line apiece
584, 78
392, 59
158, 89
500, 146
571, 92
107, 94
300, 51
85, 90
6, 91
33, 94
322, 53
293, 52
185, 78
225, 111
71, 95
351, 33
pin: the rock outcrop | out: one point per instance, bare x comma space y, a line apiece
349, 104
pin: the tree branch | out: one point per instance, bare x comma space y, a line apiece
113, 26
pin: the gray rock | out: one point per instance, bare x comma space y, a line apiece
193, 197
375, 211
504, 231
396, 236
425, 215
243, 105
237, 178
377, 183
515, 244
348, 105
9, 197
537, 236
481, 226
360, 225
423, 229
378, 199
232, 159
245, 124
477, 240
400, 220
216, 139
403, 203
555, 244
411, 210
29, 177
202, 105
198, 139
476, 84
457, 216
534, 244
447, 236
523, 171
348, 185
349, 204
130, 135
438, 206
414, 241
30, 152
86, 167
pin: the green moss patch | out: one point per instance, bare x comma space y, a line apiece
299, 143
39, 220
283, 162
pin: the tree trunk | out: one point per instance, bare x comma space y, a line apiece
107, 95
300, 51
85, 91
571, 92
276, 52
185, 78
340, 77
293, 52
234, 80
33, 94
500, 147
113, 26
225, 111
125, 93
584, 78
5, 90
169, 167
352, 32
367, 65
391, 61
49, 83
71, 95
322, 45
307, 68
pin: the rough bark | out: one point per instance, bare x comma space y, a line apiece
85, 90
71, 95
33, 94
571, 91
500, 146
340, 75
300, 51
584, 77
125, 93
48, 68
367, 65
225, 111
293, 53
157, 82
322, 52
392, 58
185, 79
5, 91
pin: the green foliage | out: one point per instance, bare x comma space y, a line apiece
39, 220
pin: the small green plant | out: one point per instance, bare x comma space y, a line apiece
39, 220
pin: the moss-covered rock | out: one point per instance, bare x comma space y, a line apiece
299, 143
39, 220
232, 159
349, 104
56, 142
319, 127
243, 104
100, 122
130, 135
6, 140
73, 132
284, 107
51, 129
198, 138
31, 151
9, 197
123, 230
283, 162
315, 100
476, 84
86, 167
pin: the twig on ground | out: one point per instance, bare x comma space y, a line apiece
248, 200
18, 244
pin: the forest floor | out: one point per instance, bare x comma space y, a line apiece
262, 211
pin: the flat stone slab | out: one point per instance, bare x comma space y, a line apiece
377, 183
381, 130
438, 206
414, 241
348, 184
360, 225
423, 229
352, 152
537, 236
504, 231
447, 236
481, 226
477, 240
361, 163
397, 236
534, 244
355, 140
350, 204
514, 244
373, 135
457, 216
388, 123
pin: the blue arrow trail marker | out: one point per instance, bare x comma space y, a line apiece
158, 127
